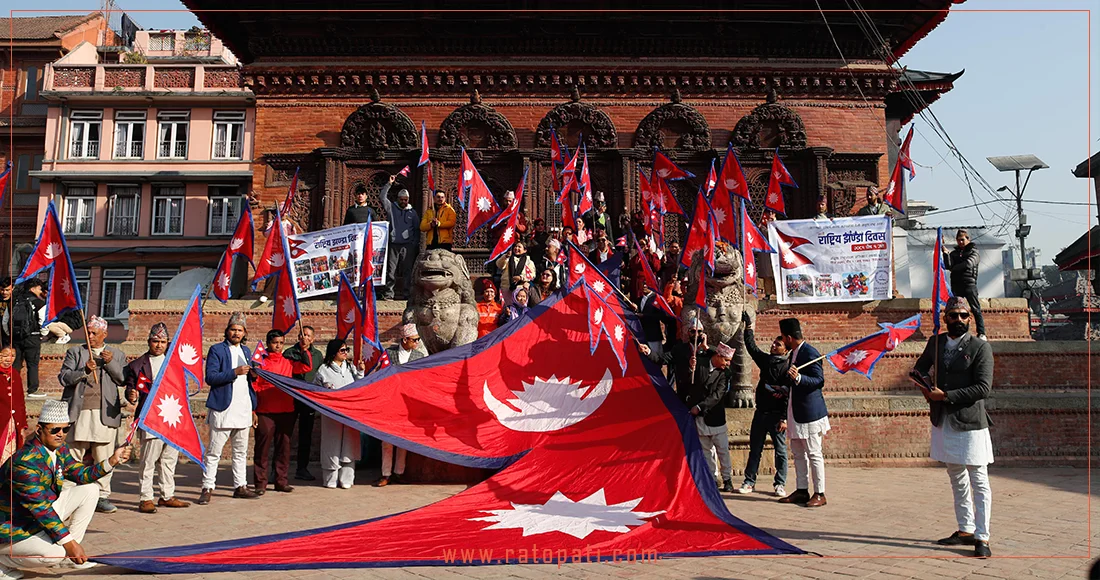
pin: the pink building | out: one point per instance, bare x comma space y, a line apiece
148, 160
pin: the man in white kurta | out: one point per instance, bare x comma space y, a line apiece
962, 380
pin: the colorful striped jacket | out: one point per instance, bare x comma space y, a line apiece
33, 487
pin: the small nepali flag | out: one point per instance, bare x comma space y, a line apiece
423, 144
404, 171
651, 281
259, 354
143, 382
10, 439
584, 185
941, 290
51, 254
712, 178
291, 191
5, 179
903, 155
700, 233
384, 360
569, 176
789, 258
366, 265
239, 245
778, 178
431, 178
731, 180
861, 355
664, 168
752, 241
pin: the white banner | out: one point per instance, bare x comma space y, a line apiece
838, 260
318, 258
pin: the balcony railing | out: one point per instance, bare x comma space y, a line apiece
129, 151
122, 226
234, 150
167, 76
176, 150
79, 151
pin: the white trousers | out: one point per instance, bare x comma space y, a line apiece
387, 459
715, 440
157, 456
218, 438
75, 505
809, 460
971, 514
99, 452
342, 477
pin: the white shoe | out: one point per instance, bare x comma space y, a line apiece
64, 339
10, 574
780, 491
69, 565
745, 489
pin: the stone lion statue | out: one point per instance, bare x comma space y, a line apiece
442, 303
726, 300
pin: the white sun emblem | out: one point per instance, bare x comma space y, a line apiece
188, 355
468, 174
597, 316
720, 216
663, 172
731, 184
276, 260
773, 197
170, 410
855, 357
619, 333
561, 514
236, 243
750, 270
66, 287
223, 281
483, 203
53, 250
507, 234
288, 306
788, 256
598, 286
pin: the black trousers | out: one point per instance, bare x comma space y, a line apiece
402, 257
305, 433
971, 295
29, 349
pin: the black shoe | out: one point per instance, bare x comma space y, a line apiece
981, 549
304, 475
727, 486
958, 539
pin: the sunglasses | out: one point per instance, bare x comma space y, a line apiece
56, 430
413, 338
958, 315
345, 349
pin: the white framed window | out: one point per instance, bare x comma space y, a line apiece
228, 134
225, 209
172, 142
162, 42
78, 216
118, 289
83, 282
84, 129
155, 279
168, 210
129, 134
122, 209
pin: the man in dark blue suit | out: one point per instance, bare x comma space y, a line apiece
807, 417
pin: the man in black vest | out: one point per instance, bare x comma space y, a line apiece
807, 416
960, 424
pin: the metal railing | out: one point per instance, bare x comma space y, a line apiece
79, 151
234, 150
177, 150
129, 150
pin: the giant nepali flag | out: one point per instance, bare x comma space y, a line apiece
51, 253
861, 355
167, 410
239, 245
589, 460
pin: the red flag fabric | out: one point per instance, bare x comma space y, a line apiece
731, 180
431, 178
404, 171
903, 155
570, 436
569, 176
291, 192
483, 207
645, 189
893, 194
699, 236
651, 282
259, 354
366, 261
752, 241
51, 254
721, 203
423, 144
167, 410
465, 176
349, 312
861, 355
712, 178
558, 154
778, 178
511, 215
5, 180
513, 208
701, 289
941, 290
369, 311
610, 325
666, 201
241, 244
143, 382
789, 258
10, 438
584, 184
664, 168
568, 217
275, 261
582, 270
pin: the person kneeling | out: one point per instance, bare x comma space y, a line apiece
45, 521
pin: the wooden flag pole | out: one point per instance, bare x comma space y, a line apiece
88, 343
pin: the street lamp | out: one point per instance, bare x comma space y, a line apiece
1018, 163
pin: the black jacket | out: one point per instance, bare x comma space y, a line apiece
357, 214
807, 403
653, 319
773, 371
678, 358
967, 382
708, 390
963, 263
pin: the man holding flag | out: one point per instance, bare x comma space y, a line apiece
155, 455
404, 239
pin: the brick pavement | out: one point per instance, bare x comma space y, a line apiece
879, 523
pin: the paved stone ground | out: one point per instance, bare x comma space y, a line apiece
880, 523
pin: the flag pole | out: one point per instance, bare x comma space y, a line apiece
818, 359
88, 343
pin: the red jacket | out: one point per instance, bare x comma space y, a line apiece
12, 403
269, 398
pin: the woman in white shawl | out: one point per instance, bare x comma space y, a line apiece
339, 443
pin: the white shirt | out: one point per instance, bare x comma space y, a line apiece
239, 413
403, 355
155, 362
796, 430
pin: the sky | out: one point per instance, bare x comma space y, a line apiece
1025, 90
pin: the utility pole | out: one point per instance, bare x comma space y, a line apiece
1016, 164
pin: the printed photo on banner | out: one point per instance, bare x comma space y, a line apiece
380, 232
320, 257
839, 260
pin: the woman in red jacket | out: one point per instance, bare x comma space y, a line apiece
276, 413
12, 403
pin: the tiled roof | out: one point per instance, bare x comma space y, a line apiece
41, 27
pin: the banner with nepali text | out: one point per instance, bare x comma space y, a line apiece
317, 258
832, 260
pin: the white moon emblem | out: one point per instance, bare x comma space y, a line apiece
548, 405
188, 355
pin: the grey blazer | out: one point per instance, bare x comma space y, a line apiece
392, 351
966, 382
74, 379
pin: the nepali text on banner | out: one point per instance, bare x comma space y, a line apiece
317, 258
838, 260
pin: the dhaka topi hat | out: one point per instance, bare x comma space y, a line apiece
957, 303
409, 331
96, 323
54, 413
236, 319
159, 331
724, 350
